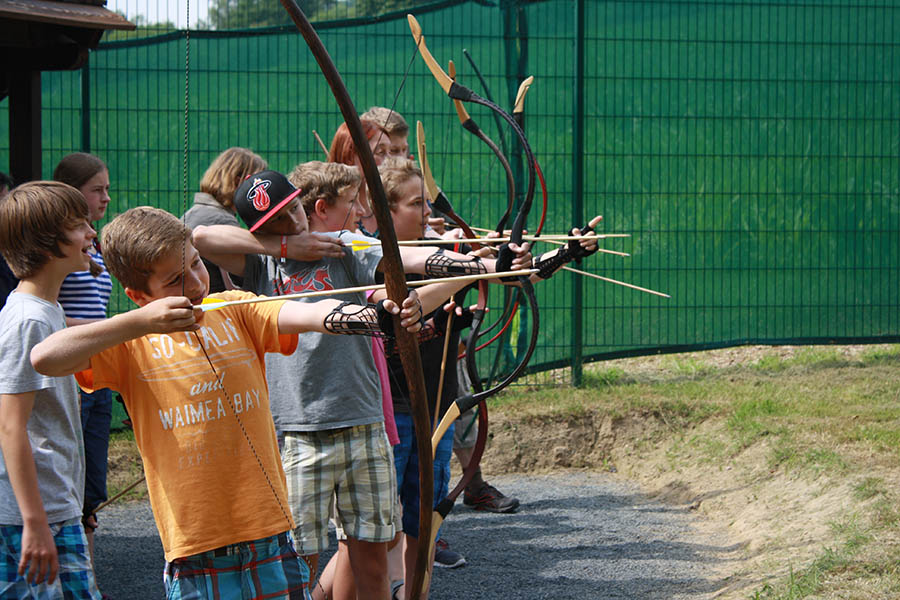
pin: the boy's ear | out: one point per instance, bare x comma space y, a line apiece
137, 296
321, 207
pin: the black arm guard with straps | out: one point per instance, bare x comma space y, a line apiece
572, 251
438, 265
352, 319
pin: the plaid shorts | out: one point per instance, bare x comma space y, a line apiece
264, 568
339, 528
351, 466
75, 579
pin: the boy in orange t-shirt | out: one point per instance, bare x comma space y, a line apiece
196, 390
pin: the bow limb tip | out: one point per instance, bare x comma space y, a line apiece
520, 96
443, 80
415, 27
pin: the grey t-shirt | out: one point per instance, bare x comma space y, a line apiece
54, 427
330, 381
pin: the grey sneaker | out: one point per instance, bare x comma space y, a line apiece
490, 499
445, 557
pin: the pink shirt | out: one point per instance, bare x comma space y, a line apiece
387, 401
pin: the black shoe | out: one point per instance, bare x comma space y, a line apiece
445, 557
489, 498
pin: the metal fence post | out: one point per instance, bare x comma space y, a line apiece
578, 191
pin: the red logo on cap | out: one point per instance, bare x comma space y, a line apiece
258, 195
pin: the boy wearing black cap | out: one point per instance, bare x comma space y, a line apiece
325, 418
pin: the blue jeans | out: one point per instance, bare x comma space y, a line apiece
96, 416
406, 462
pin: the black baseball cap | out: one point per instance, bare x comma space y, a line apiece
261, 196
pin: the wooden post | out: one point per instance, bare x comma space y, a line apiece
25, 125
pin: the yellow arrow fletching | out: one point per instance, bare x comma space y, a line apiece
208, 302
357, 245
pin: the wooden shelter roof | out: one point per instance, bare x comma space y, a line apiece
36, 36
91, 14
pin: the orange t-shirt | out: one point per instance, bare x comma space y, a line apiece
206, 487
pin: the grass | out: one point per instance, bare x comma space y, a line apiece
125, 466
816, 403
854, 537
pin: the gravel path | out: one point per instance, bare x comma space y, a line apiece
576, 535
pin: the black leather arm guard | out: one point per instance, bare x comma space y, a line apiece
371, 320
572, 251
439, 265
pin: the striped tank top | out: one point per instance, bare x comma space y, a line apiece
85, 297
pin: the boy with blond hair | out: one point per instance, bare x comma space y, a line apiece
44, 236
394, 125
326, 419
397, 130
194, 385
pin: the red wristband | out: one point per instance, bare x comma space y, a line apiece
283, 248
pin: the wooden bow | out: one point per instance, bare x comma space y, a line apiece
392, 268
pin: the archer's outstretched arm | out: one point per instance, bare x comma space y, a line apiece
550, 262
431, 296
334, 316
438, 262
69, 350
227, 246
